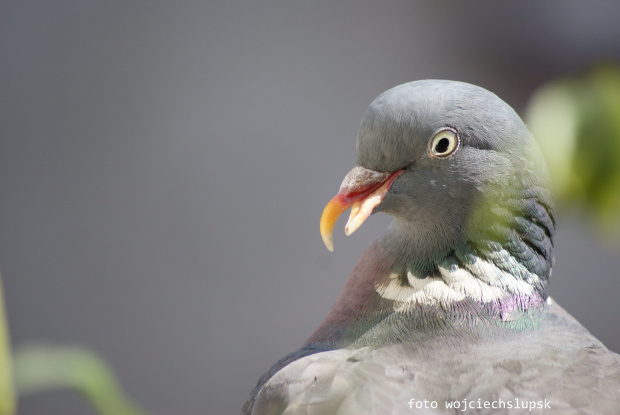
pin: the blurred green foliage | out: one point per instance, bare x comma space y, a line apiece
7, 393
41, 367
576, 121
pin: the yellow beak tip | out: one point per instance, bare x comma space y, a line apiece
329, 244
328, 220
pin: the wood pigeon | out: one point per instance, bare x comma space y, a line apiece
448, 311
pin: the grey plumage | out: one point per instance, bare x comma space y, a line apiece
451, 303
559, 361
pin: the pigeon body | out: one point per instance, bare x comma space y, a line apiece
450, 306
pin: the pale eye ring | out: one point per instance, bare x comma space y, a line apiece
444, 143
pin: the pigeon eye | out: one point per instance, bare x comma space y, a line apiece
444, 143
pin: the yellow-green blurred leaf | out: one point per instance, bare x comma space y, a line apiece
41, 368
576, 120
7, 394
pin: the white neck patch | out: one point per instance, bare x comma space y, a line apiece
481, 281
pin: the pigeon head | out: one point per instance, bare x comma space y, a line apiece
461, 175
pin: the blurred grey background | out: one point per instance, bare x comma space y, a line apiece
163, 167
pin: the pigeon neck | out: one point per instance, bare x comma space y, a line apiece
383, 301
405, 284
511, 270
488, 284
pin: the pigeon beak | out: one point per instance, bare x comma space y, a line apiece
362, 189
